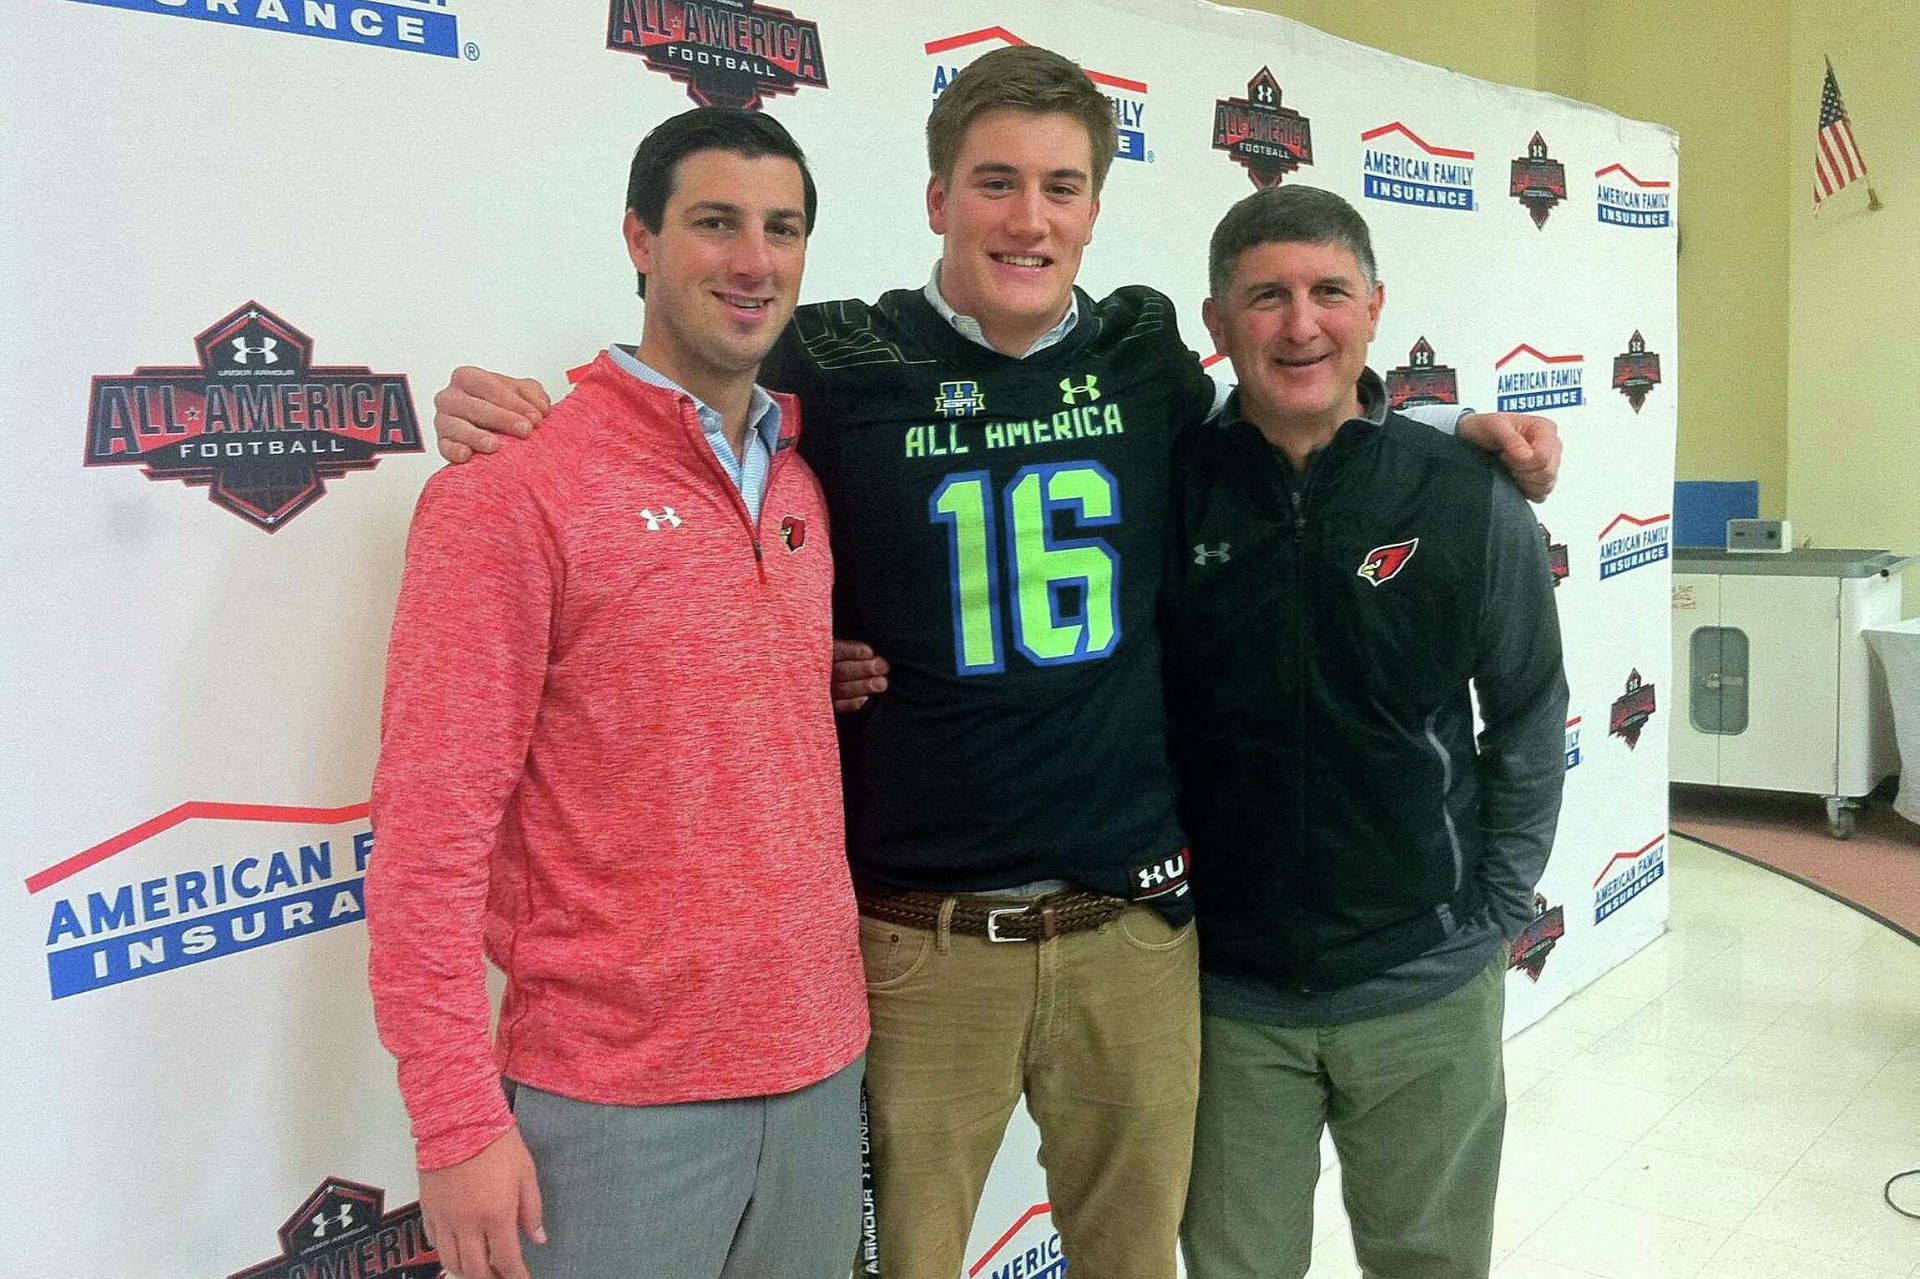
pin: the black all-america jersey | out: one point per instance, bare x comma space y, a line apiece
998, 530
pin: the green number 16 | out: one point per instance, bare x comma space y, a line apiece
1050, 625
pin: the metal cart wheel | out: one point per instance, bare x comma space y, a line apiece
1840, 817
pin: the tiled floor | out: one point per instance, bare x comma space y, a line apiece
1725, 1105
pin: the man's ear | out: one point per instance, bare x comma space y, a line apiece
936, 204
1211, 317
639, 242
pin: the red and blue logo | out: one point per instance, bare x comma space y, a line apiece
1531, 381
1030, 1249
410, 26
1621, 199
1627, 875
734, 54
1630, 541
1128, 95
1401, 167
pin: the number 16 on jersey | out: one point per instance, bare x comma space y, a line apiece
1063, 595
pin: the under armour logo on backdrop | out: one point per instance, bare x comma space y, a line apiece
666, 518
342, 1219
266, 348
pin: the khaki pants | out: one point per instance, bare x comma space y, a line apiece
1417, 1105
1100, 1030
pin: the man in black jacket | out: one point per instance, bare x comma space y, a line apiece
1339, 577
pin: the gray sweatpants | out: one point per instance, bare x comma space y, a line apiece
753, 1188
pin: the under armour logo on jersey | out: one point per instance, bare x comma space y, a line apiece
1070, 394
960, 399
266, 348
1204, 555
342, 1219
666, 517
1384, 562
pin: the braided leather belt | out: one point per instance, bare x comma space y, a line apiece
997, 918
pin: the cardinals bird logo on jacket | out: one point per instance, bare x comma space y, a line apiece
1383, 562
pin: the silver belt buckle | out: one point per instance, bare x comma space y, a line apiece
993, 922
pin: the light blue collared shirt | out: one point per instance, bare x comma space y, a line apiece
969, 328
749, 472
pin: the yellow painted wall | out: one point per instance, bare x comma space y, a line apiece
1854, 300
1490, 39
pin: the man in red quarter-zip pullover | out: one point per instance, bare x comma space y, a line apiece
683, 1057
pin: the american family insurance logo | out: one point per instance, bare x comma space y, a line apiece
1627, 875
1528, 380
1573, 743
141, 904
1421, 380
1260, 135
1401, 167
411, 26
1127, 95
1537, 180
1630, 541
1636, 371
256, 422
1029, 1250
342, 1231
1621, 199
728, 53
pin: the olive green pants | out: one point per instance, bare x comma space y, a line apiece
1417, 1105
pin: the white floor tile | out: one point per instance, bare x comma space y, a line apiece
1735, 1134
1546, 1045
1522, 1209
1557, 1157
1519, 1267
1753, 1082
1862, 1161
1333, 1259
1674, 1072
1745, 1257
1681, 1185
1678, 1019
1591, 1106
1596, 1013
1839, 1222
1617, 1242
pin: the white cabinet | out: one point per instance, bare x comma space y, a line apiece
1773, 686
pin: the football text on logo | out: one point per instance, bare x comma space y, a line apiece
1556, 557
132, 928
1627, 875
793, 532
1636, 371
1539, 381
1537, 940
728, 53
1383, 563
411, 26
1629, 542
1266, 139
1421, 381
342, 1230
256, 422
1401, 167
960, 399
1538, 181
1624, 200
1632, 710
1164, 878
1127, 96
1573, 743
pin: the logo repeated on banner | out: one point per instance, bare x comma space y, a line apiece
728, 53
1030, 1249
1540, 381
116, 926
1266, 139
1636, 371
1538, 181
1421, 381
1632, 711
1624, 200
342, 1230
1383, 563
256, 421
1573, 743
1629, 542
1537, 940
1556, 557
1627, 875
1401, 167
1128, 96
411, 26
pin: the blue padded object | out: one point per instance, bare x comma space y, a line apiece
1701, 509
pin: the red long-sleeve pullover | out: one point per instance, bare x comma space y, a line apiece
607, 749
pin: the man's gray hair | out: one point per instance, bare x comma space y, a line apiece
1287, 215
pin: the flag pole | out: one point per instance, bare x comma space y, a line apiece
1873, 197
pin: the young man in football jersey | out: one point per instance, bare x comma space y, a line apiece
994, 447
1365, 860
685, 1008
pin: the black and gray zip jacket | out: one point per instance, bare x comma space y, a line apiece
1322, 631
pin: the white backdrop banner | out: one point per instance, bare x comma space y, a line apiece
246, 239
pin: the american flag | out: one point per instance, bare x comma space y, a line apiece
1836, 157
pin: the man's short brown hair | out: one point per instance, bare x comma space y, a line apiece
1020, 78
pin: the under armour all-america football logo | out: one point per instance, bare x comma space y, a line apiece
1384, 562
666, 517
1089, 387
